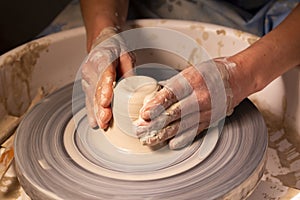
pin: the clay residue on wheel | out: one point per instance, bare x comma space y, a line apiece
9, 123
220, 46
205, 35
251, 40
221, 32
15, 78
10, 188
197, 27
284, 149
238, 33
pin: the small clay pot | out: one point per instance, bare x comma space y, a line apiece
129, 95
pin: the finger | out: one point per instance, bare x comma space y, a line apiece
104, 91
103, 116
165, 118
161, 100
178, 110
144, 128
89, 71
155, 137
103, 96
187, 137
175, 89
90, 114
89, 103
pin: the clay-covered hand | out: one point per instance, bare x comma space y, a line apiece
193, 100
107, 60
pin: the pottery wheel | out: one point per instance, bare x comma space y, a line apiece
56, 159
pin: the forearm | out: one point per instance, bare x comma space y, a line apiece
98, 14
269, 57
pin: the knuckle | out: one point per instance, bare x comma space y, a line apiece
132, 57
203, 96
85, 71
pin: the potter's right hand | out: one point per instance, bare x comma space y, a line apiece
195, 99
107, 60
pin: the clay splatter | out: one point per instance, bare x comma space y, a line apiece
220, 45
221, 32
15, 76
205, 35
251, 40
284, 149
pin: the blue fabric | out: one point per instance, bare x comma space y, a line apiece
69, 18
277, 13
257, 17
253, 16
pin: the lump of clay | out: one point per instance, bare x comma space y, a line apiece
129, 96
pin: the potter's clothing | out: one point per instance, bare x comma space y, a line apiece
26, 21
254, 16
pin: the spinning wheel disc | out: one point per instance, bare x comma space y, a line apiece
94, 152
56, 160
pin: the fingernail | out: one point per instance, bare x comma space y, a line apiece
146, 114
103, 101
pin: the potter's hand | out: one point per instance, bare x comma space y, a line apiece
189, 102
107, 59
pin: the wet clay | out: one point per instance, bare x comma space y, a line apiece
130, 95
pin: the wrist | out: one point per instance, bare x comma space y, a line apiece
98, 14
104, 34
95, 30
241, 79
250, 73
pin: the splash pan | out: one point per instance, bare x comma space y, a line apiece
64, 161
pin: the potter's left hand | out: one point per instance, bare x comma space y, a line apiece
189, 102
108, 59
